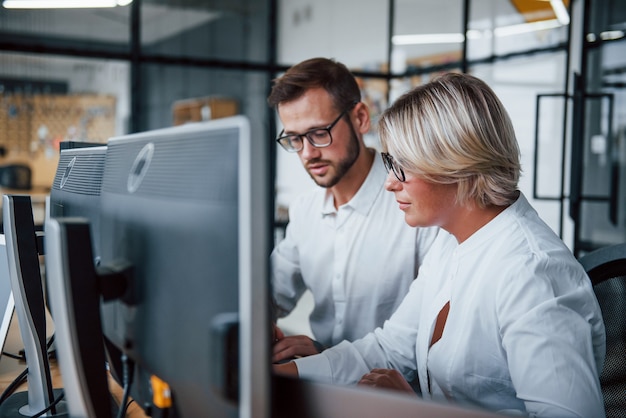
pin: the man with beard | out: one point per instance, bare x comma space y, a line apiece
346, 241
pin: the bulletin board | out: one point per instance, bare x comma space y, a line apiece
33, 126
33, 121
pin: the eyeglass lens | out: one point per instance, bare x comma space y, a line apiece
319, 138
391, 165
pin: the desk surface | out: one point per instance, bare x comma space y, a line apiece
134, 411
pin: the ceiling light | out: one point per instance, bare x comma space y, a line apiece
432, 38
62, 4
449, 38
526, 27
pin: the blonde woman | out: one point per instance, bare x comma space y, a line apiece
501, 316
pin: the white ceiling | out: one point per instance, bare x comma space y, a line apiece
107, 25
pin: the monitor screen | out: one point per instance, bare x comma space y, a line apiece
178, 207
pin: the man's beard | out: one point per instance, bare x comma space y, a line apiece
341, 167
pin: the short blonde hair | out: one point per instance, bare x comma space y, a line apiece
455, 130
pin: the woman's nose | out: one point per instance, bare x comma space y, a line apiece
391, 182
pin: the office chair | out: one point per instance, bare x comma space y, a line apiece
16, 176
606, 268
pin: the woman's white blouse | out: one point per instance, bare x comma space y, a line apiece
524, 332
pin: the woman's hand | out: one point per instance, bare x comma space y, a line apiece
386, 378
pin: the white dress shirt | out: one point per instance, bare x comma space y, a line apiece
358, 261
524, 332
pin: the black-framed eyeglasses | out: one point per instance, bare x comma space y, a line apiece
391, 165
318, 137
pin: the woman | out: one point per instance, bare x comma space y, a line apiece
501, 316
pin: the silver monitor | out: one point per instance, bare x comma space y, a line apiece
178, 209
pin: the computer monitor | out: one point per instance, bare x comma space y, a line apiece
75, 190
178, 209
7, 305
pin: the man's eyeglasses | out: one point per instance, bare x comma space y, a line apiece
391, 165
318, 137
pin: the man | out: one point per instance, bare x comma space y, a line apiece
346, 242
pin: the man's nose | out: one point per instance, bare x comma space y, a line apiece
308, 150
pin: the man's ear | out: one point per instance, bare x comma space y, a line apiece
362, 118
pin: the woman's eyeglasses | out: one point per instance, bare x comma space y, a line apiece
391, 165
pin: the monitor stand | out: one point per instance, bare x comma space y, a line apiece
17, 406
23, 250
74, 293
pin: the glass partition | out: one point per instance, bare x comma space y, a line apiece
497, 28
193, 94
234, 30
426, 36
95, 28
354, 32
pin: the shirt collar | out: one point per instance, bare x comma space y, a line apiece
496, 225
365, 197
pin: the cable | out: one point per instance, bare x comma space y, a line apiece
52, 405
21, 378
14, 356
50, 341
127, 380
22, 357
